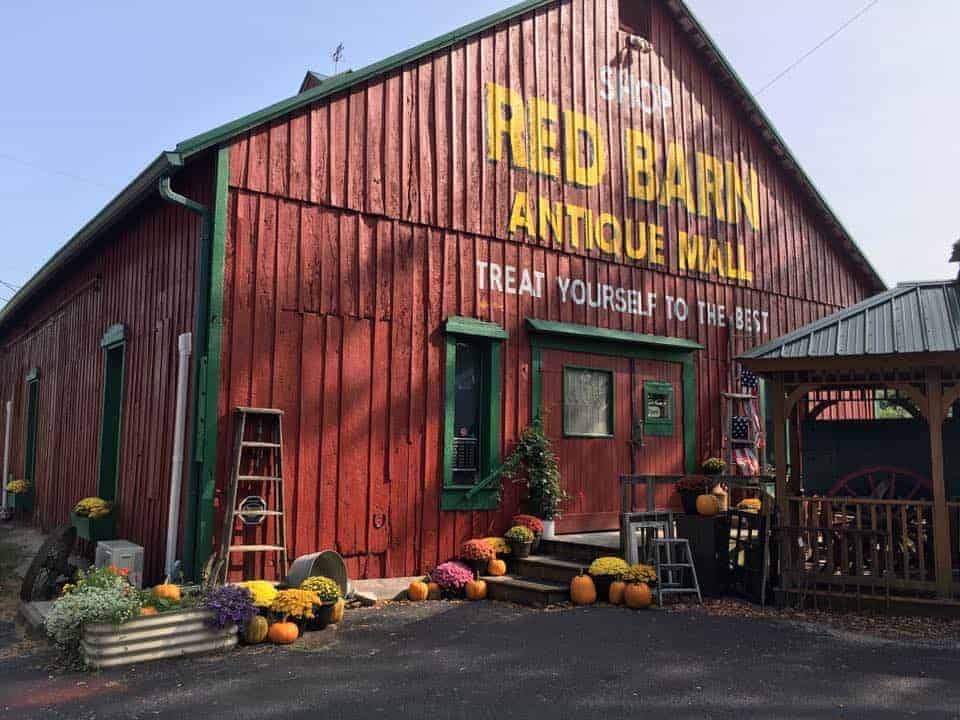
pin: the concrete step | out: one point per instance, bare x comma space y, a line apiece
527, 591
575, 552
549, 567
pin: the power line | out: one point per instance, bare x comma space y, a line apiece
62, 173
13, 287
819, 45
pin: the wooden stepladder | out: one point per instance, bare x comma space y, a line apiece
255, 494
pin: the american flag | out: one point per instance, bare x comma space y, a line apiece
740, 427
746, 460
749, 380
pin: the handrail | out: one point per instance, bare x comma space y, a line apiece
483, 483
840, 500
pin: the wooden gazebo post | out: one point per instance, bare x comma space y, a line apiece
941, 521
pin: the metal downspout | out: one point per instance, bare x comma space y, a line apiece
201, 335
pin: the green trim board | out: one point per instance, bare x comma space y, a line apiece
662, 426
611, 414
33, 374
595, 334
603, 344
111, 418
485, 495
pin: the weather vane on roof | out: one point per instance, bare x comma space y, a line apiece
337, 56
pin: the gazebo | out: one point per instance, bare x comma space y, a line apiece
866, 487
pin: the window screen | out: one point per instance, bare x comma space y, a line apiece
587, 402
467, 413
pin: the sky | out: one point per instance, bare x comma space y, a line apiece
93, 91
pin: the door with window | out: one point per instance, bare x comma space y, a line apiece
609, 416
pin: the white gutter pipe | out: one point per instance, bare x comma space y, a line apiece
185, 348
6, 451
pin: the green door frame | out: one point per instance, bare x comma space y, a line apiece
114, 344
548, 335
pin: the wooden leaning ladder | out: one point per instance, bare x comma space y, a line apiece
265, 453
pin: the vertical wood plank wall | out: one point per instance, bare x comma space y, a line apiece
143, 275
355, 228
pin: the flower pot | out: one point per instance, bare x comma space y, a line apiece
688, 498
549, 529
322, 616
603, 583
95, 529
21, 501
535, 545
520, 549
479, 567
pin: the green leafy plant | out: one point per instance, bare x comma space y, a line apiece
519, 534
325, 588
112, 602
612, 566
534, 463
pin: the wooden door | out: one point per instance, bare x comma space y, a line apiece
592, 404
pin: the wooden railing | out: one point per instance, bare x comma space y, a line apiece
858, 545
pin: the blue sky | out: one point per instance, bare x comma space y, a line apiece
93, 91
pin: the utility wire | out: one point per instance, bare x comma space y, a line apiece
866, 8
13, 287
62, 173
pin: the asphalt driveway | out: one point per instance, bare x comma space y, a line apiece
491, 660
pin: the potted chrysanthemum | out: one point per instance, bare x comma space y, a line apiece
328, 593
477, 554
606, 570
520, 539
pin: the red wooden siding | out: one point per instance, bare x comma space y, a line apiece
141, 274
355, 228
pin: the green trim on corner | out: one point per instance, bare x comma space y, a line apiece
111, 417
32, 375
207, 419
30, 439
602, 343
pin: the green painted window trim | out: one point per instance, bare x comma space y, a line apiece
658, 427
30, 441
563, 392
111, 416
468, 497
601, 342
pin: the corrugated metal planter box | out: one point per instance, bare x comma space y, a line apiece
21, 501
173, 634
95, 530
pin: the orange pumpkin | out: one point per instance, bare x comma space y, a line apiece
338, 609
147, 611
476, 590
418, 591
582, 590
708, 504
617, 589
638, 596
497, 568
283, 633
433, 591
167, 591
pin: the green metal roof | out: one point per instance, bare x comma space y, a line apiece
169, 161
917, 317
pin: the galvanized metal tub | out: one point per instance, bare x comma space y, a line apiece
173, 634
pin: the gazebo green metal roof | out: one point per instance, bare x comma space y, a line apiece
918, 317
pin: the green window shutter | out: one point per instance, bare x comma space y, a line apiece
114, 345
471, 458
33, 409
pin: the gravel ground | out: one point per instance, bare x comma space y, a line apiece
493, 660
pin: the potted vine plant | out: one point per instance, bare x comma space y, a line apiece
520, 539
534, 463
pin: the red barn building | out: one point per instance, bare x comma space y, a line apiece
570, 207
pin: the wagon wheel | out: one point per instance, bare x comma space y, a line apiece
882, 482
51, 567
